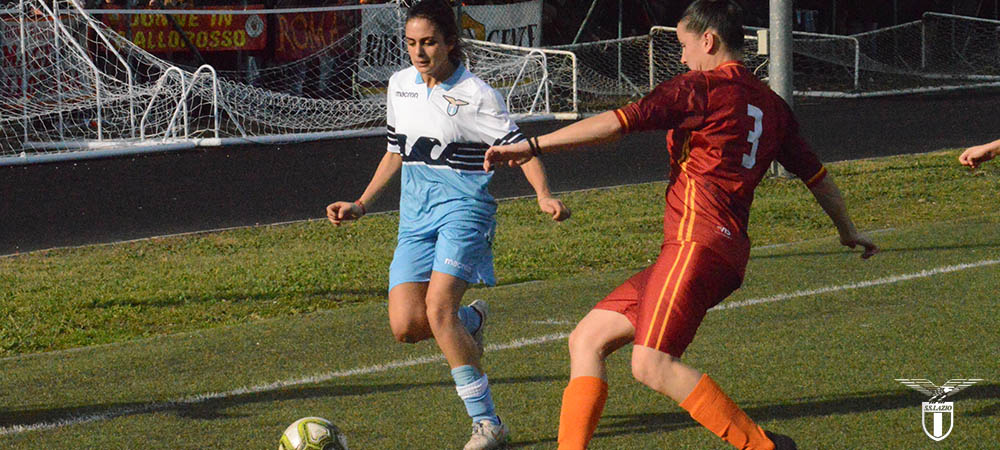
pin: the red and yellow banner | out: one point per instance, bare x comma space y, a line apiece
207, 32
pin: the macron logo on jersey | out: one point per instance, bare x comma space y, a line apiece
407, 94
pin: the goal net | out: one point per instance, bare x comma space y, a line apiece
76, 80
77, 83
533, 81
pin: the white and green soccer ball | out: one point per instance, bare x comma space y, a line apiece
312, 433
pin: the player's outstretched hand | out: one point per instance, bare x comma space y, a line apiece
554, 207
338, 212
860, 239
974, 156
512, 155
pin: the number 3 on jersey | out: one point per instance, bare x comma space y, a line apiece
750, 160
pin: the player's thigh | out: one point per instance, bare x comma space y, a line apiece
407, 300
464, 249
413, 259
601, 331
408, 312
612, 322
687, 280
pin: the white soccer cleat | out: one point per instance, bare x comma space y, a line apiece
481, 307
487, 436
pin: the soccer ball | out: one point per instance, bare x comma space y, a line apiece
312, 433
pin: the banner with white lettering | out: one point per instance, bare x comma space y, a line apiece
512, 23
382, 49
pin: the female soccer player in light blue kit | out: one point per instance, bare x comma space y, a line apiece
441, 119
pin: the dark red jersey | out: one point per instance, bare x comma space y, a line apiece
725, 129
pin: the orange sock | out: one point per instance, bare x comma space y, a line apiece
712, 408
583, 402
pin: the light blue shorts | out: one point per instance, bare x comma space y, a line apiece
463, 249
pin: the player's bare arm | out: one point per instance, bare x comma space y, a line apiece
828, 196
338, 212
534, 171
603, 127
974, 156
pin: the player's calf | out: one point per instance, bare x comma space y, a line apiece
713, 409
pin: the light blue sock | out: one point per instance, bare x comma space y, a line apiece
474, 389
470, 319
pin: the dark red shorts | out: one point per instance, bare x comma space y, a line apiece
667, 301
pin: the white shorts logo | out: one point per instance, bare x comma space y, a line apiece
463, 267
935, 410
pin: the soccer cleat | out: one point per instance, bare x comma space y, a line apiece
781, 442
486, 436
482, 308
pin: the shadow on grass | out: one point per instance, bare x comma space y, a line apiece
208, 408
938, 168
864, 402
231, 296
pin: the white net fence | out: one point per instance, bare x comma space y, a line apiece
533, 81
69, 84
611, 71
72, 81
939, 52
57, 84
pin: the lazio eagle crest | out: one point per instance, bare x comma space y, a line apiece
453, 104
935, 410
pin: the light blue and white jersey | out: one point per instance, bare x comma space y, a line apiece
442, 134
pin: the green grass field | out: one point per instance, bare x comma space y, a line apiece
221, 340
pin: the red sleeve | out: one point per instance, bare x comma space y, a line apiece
680, 102
796, 155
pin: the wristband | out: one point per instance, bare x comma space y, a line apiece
361, 205
536, 149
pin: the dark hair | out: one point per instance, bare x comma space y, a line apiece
439, 13
724, 16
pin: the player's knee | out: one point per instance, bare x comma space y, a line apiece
409, 331
407, 336
585, 341
440, 315
649, 372
577, 341
640, 371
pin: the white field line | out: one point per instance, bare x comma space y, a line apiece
862, 284
552, 322
519, 343
202, 398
